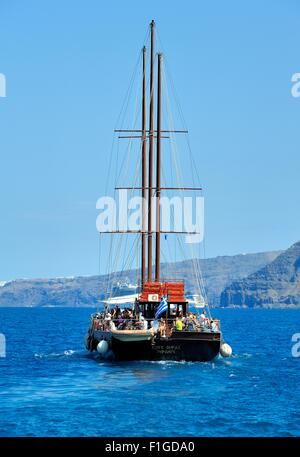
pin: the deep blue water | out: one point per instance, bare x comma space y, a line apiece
50, 386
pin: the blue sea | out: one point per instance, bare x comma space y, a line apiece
51, 386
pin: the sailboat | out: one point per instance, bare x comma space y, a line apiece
158, 321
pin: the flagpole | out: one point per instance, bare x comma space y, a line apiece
167, 313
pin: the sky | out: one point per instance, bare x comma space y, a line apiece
67, 66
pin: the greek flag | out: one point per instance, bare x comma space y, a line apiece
162, 306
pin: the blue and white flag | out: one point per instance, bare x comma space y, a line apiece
163, 306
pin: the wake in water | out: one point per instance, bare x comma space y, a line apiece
66, 353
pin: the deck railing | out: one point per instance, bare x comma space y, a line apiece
166, 325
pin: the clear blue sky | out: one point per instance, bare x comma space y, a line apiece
67, 65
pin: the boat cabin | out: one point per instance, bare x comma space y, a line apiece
152, 292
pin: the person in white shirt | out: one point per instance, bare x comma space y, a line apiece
203, 319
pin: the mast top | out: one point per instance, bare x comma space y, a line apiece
152, 23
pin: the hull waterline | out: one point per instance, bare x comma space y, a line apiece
182, 346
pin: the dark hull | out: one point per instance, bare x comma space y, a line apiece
181, 346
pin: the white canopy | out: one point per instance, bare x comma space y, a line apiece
197, 301
121, 300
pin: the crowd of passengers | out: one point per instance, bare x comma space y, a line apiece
126, 319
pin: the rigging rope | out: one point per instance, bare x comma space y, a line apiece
129, 255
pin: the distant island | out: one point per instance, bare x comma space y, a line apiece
218, 273
266, 279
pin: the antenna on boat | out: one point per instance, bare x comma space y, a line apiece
151, 137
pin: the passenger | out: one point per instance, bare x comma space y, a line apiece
115, 312
162, 328
190, 323
172, 311
214, 326
107, 317
139, 325
179, 324
204, 320
144, 322
107, 321
96, 323
112, 325
203, 315
119, 321
179, 312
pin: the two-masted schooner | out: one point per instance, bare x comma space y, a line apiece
157, 323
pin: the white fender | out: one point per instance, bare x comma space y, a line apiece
102, 347
225, 350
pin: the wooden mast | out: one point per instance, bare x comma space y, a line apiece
144, 170
158, 171
151, 135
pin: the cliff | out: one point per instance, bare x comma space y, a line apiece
275, 285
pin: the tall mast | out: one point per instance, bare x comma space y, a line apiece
158, 171
151, 134
144, 145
